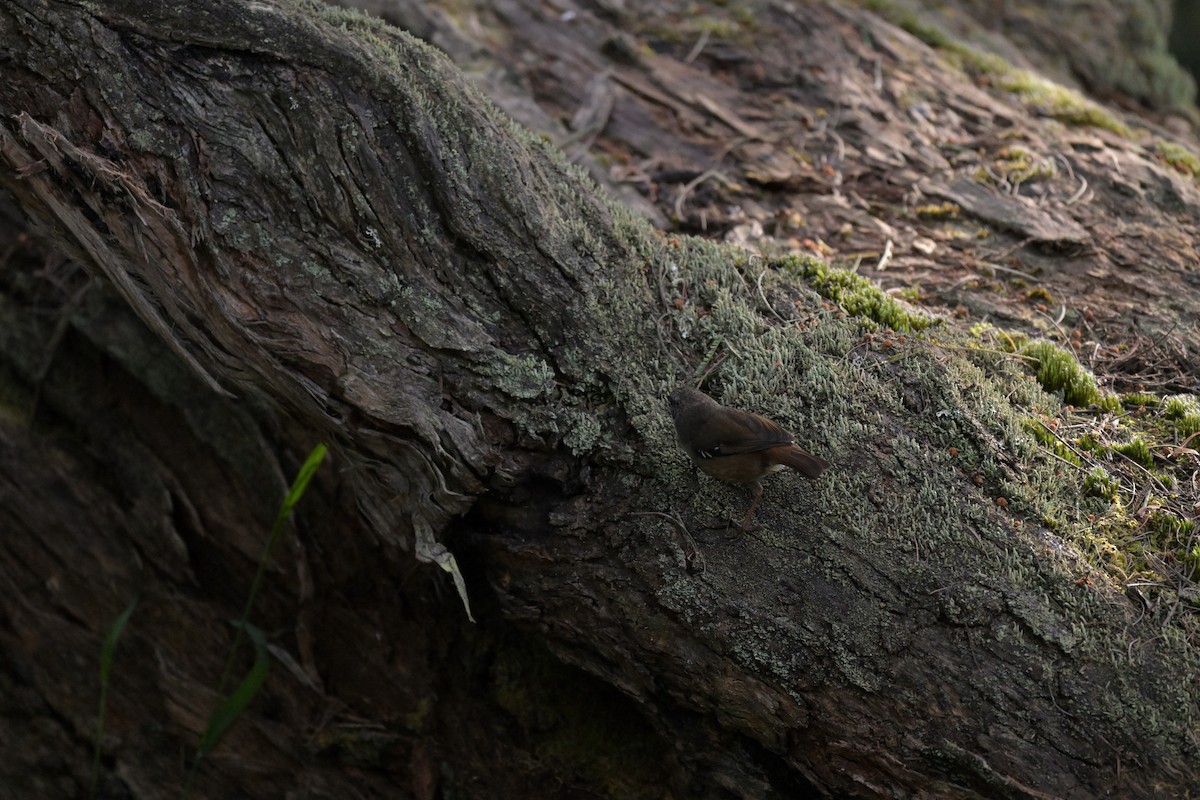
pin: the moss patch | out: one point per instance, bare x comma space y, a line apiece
1042, 95
1059, 372
1137, 451
1045, 436
937, 211
1139, 400
1127, 449
1098, 483
1017, 164
1178, 157
858, 296
1184, 411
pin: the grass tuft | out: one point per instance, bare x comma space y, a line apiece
231, 707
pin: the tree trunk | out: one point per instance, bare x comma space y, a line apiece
328, 234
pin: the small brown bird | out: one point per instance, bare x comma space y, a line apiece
736, 446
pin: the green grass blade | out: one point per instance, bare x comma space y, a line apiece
300, 484
107, 656
228, 712
231, 708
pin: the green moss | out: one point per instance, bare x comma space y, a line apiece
1042, 95
1158, 550
1047, 439
945, 210
1058, 371
1019, 165
858, 296
1098, 483
1139, 400
1178, 157
989, 334
715, 26
1137, 451
1173, 541
1106, 540
1039, 294
1184, 411
1169, 528
1191, 564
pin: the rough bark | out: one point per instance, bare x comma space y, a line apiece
329, 234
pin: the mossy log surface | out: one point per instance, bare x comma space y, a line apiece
326, 233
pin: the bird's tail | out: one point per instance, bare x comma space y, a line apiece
803, 462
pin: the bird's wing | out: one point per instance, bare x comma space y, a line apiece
739, 432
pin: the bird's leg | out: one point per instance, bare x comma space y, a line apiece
753, 505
